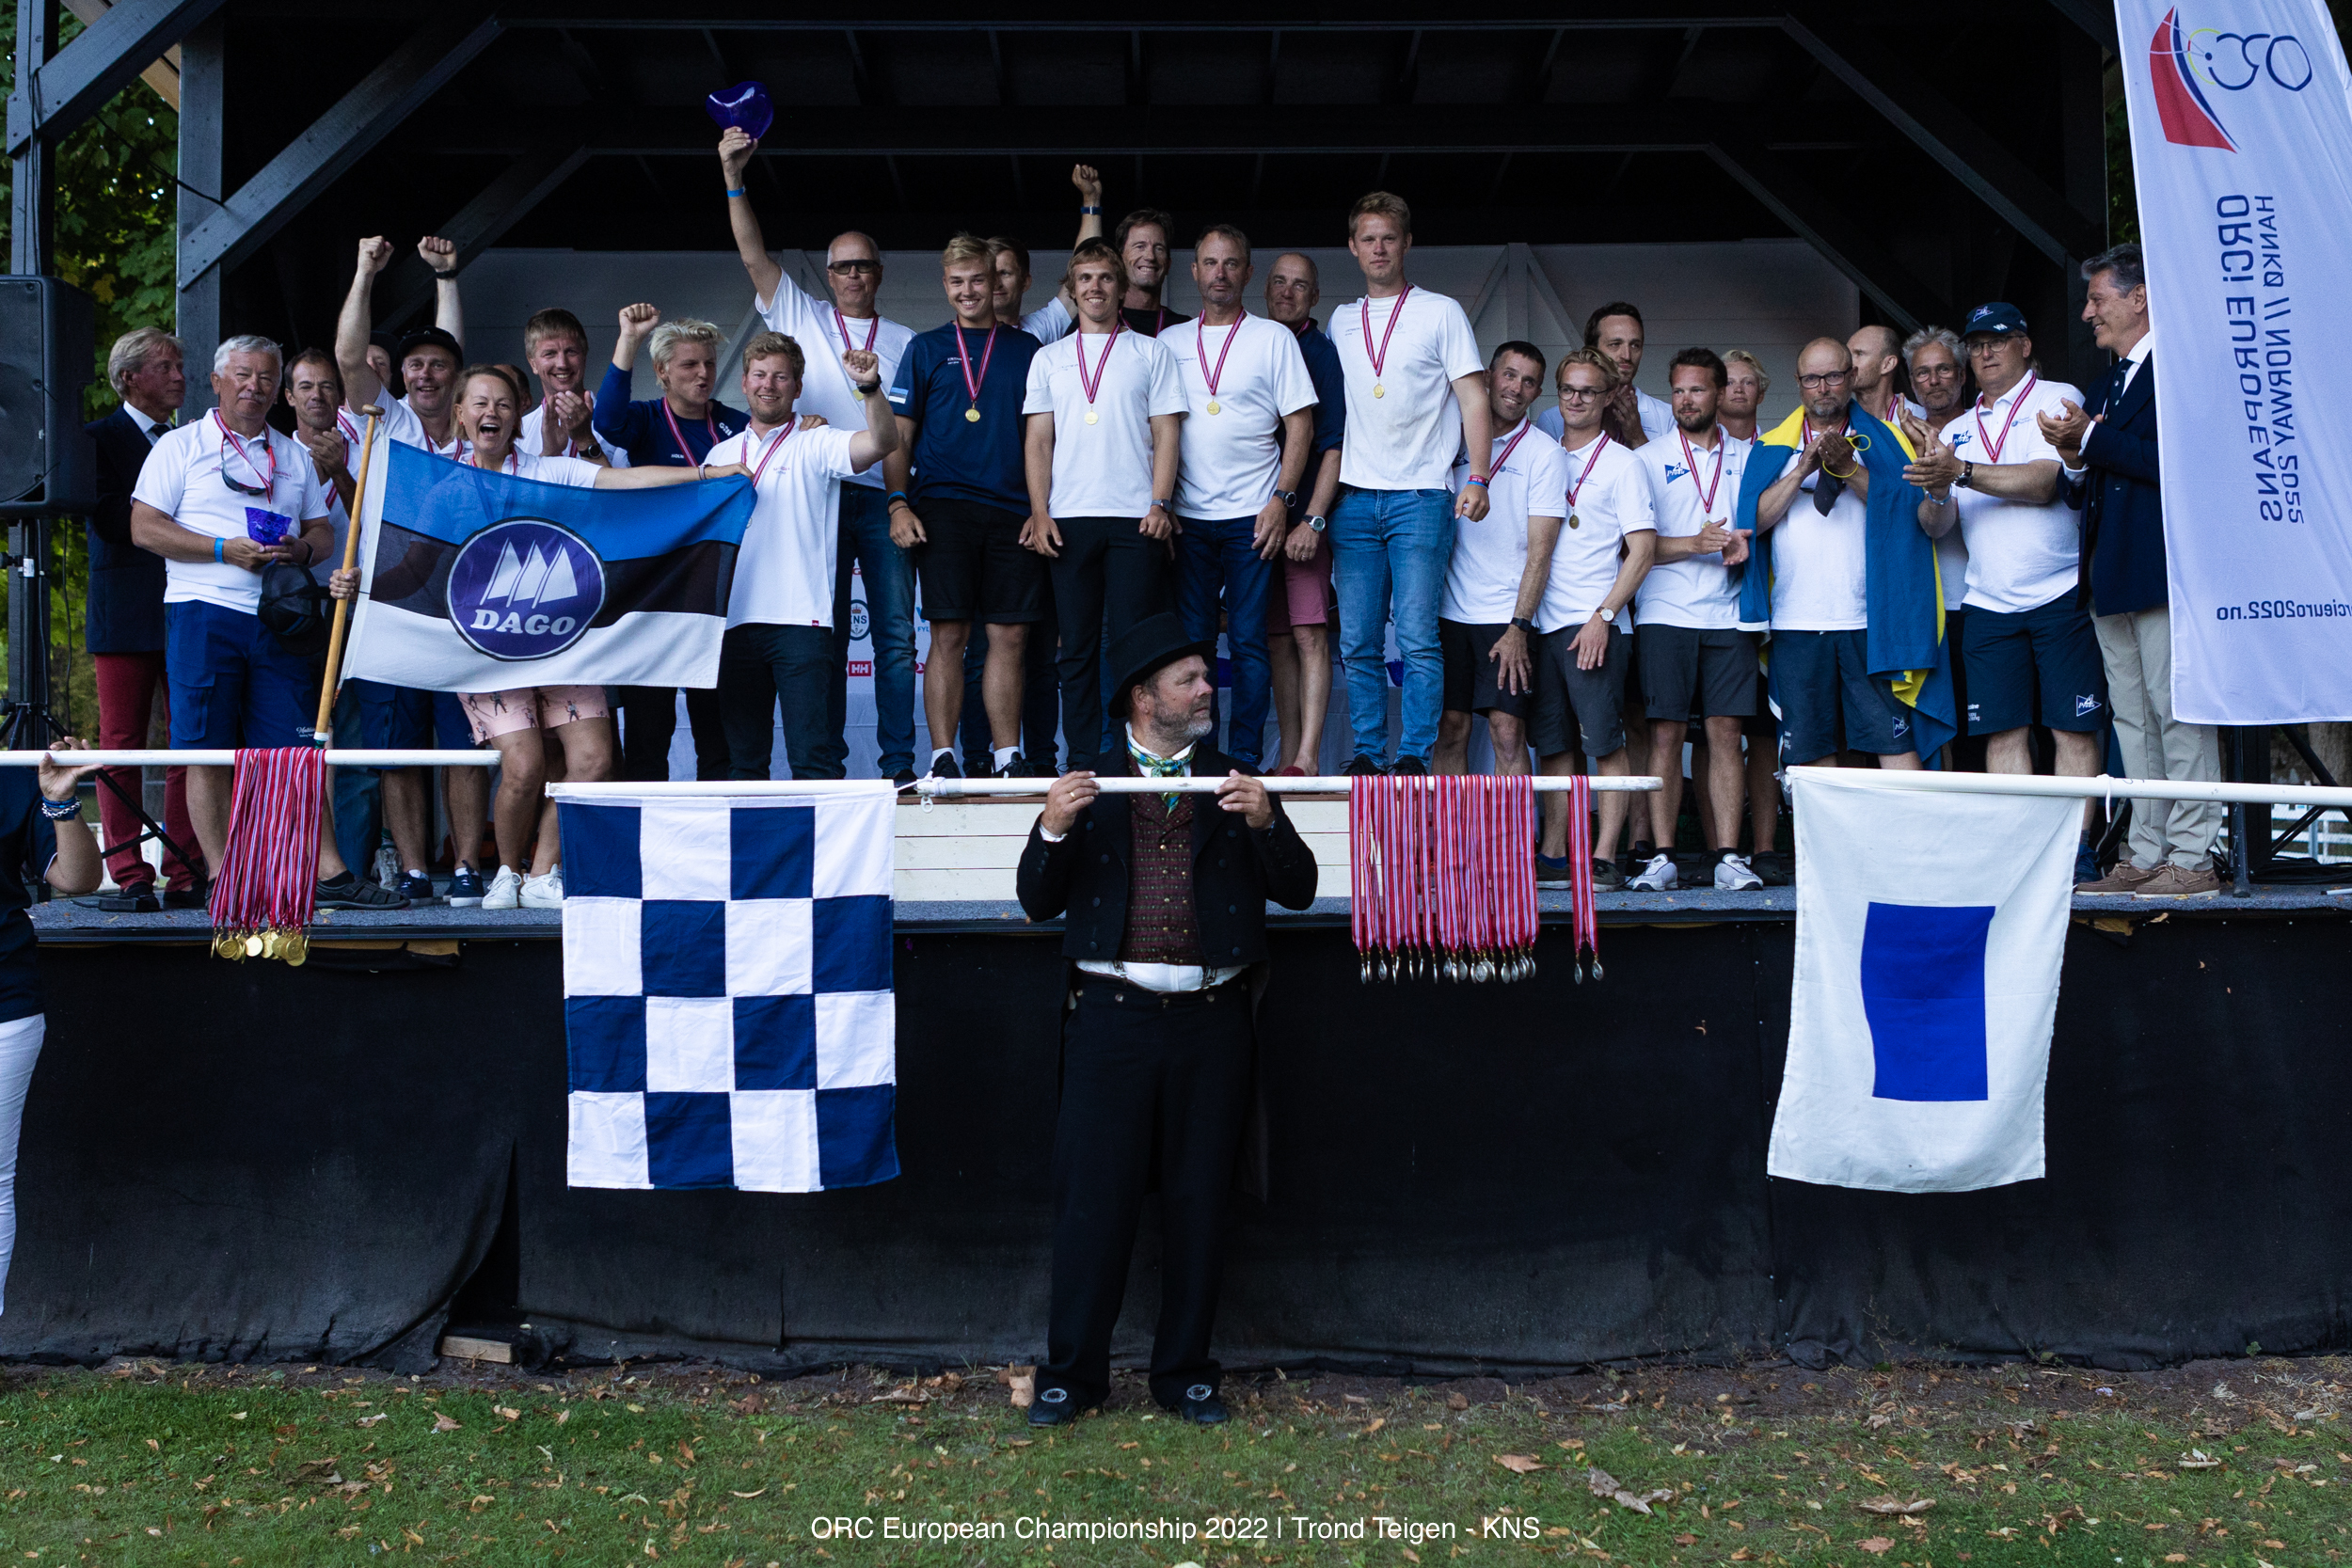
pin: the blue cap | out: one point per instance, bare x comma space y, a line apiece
1998, 319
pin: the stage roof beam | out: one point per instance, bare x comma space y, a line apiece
1826, 222
481, 224
109, 54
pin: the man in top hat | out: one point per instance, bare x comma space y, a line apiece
1165, 899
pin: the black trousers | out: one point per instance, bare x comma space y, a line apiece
1146, 1079
1105, 566
649, 719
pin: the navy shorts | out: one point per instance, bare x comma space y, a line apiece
403, 718
232, 683
1829, 700
1690, 674
2050, 654
1579, 710
1471, 683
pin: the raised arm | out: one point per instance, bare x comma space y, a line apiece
1089, 223
735, 162
357, 320
449, 313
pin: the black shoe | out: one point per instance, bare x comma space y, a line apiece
348, 891
188, 897
1016, 766
139, 901
944, 767
1550, 871
902, 778
1776, 868
1607, 877
1053, 1407
1038, 768
1365, 767
1201, 1407
1410, 766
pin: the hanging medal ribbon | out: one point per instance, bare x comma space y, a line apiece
1576, 486
1707, 494
1200, 352
1381, 360
1502, 458
231, 441
1985, 443
1094, 383
1443, 878
972, 383
710, 422
774, 446
873, 330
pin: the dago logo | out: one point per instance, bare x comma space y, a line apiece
524, 589
2182, 64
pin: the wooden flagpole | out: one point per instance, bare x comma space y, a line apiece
328, 687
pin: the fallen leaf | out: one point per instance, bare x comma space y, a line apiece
1896, 1505
2176, 1556
1377, 1422
1686, 1538
1024, 1385
2197, 1458
750, 1405
1519, 1463
1744, 1555
371, 1420
1601, 1482
562, 1416
507, 1411
761, 1492
237, 1415
442, 1423
1875, 1545
1457, 1400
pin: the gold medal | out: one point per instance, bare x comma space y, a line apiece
856, 393
1378, 390
253, 947
1573, 520
226, 946
973, 414
1213, 407
296, 948
1090, 415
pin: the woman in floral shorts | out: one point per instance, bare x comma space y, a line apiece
543, 734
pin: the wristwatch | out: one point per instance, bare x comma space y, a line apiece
1288, 498
1168, 506
1967, 475
1608, 616
1318, 524
1523, 624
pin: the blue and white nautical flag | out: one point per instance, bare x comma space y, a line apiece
473, 581
727, 990
1929, 933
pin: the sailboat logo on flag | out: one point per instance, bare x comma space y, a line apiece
524, 589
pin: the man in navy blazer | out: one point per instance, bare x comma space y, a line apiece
124, 616
2109, 454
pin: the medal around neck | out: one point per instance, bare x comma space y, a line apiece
744, 106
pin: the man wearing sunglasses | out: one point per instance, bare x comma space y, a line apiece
220, 499
831, 328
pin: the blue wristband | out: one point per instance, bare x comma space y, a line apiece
219, 550
1479, 480
738, 191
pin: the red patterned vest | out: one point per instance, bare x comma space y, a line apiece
1162, 925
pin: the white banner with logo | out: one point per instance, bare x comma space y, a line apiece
2241, 119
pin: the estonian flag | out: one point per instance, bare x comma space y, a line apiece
1929, 933
1903, 591
479, 581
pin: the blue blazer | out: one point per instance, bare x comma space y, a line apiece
2122, 550
124, 612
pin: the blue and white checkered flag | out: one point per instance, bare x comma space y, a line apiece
727, 990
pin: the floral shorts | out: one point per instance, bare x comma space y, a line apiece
532, 707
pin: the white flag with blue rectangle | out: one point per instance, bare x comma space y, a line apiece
1931, 928
728, 1006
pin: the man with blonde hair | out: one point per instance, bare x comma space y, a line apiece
555, 345
1745, 382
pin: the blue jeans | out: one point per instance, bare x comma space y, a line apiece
889, 578
762, 668
358, 791
1214, 556
1392, 545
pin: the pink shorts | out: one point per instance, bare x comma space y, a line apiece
530, 707
1304, 595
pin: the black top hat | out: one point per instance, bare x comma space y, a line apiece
1146, 648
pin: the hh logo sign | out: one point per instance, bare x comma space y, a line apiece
524, 589
2182, 64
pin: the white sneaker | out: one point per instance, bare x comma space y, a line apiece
1657, 877
544, 892
1734, 875
506, 890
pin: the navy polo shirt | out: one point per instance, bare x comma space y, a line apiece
29, 841
954, 457
641, 429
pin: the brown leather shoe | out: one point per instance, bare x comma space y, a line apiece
2125, 878
2170, 881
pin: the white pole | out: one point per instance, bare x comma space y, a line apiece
951, 788
2102, 787
150, 759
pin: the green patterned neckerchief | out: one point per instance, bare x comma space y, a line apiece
1150, 767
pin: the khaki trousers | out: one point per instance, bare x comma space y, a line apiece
2136, 647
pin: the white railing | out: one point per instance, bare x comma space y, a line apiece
2101, 787
155, 758
944, 789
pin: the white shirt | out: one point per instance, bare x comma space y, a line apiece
1050, 322
2138, 357
1232, 458
573, 473
154, 429
1482, 579
2020, 556
402, 423
818, 328
181, 479
1657, 417
1104, 469
1697, 590
531, 436
1611, 499
1405, 438
1820, 563
784, 571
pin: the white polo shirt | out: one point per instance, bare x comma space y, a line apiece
1657, 417
1102, 469
2020, 556
1232, 457
1528, 478
824, 335
1403, 425
403, 423
183, 479
1607, 498
1691, 488
1819, 564
531, 436
784, 571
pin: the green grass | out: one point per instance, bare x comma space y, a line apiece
153, 1464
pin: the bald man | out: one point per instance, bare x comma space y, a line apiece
1877, 362
827, 329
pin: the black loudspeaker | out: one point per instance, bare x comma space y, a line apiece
48, 342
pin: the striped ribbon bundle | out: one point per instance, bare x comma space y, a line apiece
1443, 872
1580, 879
267, 883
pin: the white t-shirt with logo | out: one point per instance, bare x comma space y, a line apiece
531, 436
1657, 415
825, 383
1820, 564
784, 572
403, 423
1104, 469
1404, 423
1050, 322
1611, 499
1232, 458
1697, 590
1481, 581
181, 479
2020, 556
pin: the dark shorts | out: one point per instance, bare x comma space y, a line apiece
973, 568
403, 719
1687, 673
2050, 653
1577, 710
1829, 702
1763, 724
232, 683
1470, 686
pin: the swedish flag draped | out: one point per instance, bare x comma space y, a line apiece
1904, 592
